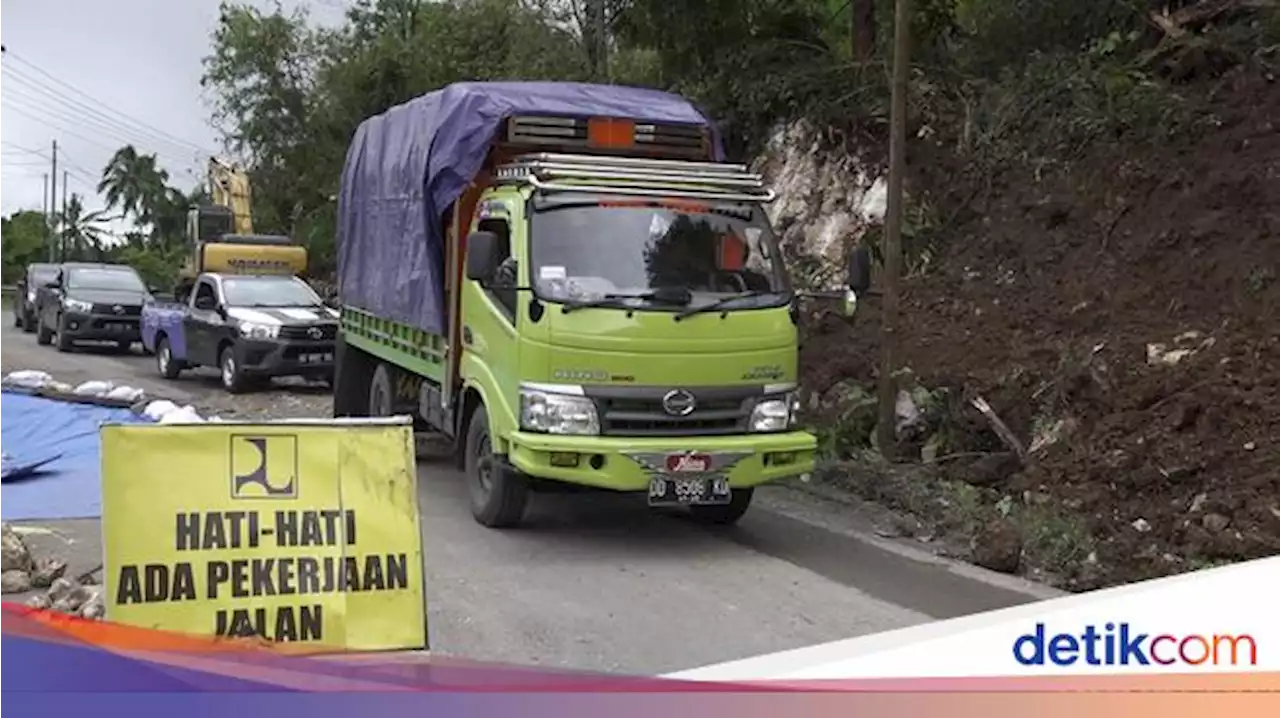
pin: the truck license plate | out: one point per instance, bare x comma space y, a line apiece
316, 358
685, 491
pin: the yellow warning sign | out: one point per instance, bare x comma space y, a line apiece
302, 533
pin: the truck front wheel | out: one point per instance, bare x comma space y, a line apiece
498, 493
233, 377
724, 514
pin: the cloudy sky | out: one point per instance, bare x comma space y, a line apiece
97, 74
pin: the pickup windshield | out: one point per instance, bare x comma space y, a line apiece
122, 279
622, 250
268, 292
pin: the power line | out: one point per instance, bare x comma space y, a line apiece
127, 118
75, 117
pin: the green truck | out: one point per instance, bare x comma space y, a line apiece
568, 282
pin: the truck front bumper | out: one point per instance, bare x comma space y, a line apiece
628, 463
100, 328
268, 357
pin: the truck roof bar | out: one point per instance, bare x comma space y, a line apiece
632, 176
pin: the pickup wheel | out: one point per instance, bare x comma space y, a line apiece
44, 336
28, 322
233, 377
169, 367
498, 493
64, 341
724, 514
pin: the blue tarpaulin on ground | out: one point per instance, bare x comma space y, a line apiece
52, 461
407, 165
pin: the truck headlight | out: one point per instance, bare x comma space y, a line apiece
77, 305
776, 413
551, 413
31, 294
254, 330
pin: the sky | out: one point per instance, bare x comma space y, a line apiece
98, 74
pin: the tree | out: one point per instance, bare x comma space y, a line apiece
82, 233
24, 236
863, 30
134, 184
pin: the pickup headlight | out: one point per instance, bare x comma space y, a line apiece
253, 330
776, 413
77, 305
31, 294
551, 413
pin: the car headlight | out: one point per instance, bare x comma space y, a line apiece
77, 305
775, 413
31, 295
254, 330
551, 413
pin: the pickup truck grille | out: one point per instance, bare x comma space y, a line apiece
110, 310
327, 332
639, 412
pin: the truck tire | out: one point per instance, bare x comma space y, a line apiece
352, 371
64, 342
44, 336
169, 367
724, 514
381, 398
498, 493
28, 322
232, 376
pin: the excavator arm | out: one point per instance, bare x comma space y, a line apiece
229, 187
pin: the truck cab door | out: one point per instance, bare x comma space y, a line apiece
490, 314
203, 323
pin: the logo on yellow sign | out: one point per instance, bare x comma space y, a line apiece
264, 466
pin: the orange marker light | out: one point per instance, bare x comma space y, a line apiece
608, 132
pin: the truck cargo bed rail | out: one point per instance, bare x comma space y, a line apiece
634, 176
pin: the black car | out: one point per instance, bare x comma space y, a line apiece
25, 311
91, 302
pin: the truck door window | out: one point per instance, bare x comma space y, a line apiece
206, 297
507, 274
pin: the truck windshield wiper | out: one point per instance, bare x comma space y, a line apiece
674, 295
721, 303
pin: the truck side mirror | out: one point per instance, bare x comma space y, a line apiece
207, 304
484, 254
52, 285
859, 279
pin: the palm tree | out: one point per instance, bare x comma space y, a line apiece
133, 183
82, 231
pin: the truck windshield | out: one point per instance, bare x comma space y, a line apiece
123, 279
268, 292
41, 276
585, 250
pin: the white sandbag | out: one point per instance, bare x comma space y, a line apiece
127, 393
94, 388
29, 378
185, 415
157, 409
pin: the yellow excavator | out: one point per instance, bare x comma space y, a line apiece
221, 234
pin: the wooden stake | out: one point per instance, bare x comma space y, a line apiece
885, 437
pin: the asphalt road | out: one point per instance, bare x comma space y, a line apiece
600, 582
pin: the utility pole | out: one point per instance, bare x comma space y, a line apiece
53, 203
886, 436
44, 212
63, 239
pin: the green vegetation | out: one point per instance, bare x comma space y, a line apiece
995, 81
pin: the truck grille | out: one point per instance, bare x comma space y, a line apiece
303, 333
639, 412
110, 310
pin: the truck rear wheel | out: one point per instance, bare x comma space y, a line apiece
724, 514
169, 367
352, 372
499, 494
380, 396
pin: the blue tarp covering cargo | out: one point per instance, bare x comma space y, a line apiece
52, 462
406, 166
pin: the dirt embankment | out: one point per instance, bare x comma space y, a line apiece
1124, 320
